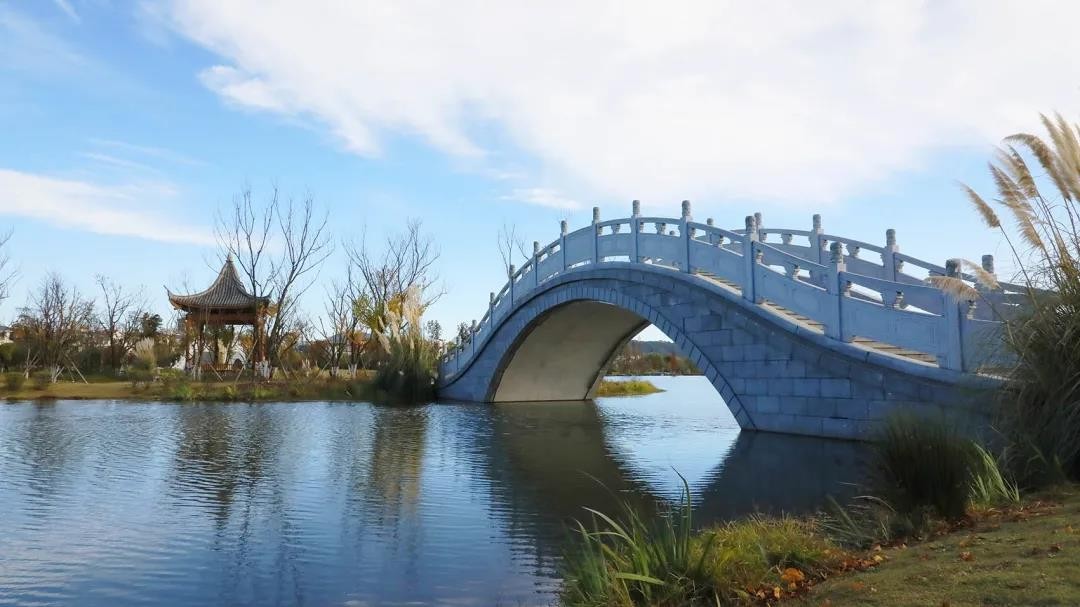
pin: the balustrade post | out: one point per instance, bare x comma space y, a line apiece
816, 241
834, 327
684, 233
749, 260
536, 264
635, 229
472, 338
491, 308
888, 257
596, 235
952, 356
759, 224
510, 271
988, 267
562, 243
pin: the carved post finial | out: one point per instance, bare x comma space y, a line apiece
510, 270
952, 268
890, 237
562, 227
988, 263
686, 209
836, 251
760, 224
817, 222
751, 228
491, 297
709, 222
536, 248
636, 208
596, 214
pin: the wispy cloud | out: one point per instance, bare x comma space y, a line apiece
145, 151
792, 102
118, 210
544, 197
68, 10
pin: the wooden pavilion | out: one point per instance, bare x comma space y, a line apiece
225, 302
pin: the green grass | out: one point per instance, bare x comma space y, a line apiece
1025, 557
629, 387
181, 389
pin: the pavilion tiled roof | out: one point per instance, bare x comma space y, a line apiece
227, 293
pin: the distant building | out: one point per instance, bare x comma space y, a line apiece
6, 334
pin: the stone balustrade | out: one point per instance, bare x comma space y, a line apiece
849, 288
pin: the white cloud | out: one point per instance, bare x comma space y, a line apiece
544, 197
788, 101
104, 209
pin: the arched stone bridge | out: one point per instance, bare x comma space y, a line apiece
796, 330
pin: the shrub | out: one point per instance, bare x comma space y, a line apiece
183, 391
41, 379
14, 381
140, 377
922, 464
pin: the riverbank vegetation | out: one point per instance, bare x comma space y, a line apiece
626, 387
372, 329
651, 358
930, 491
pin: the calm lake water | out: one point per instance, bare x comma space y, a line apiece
106, 503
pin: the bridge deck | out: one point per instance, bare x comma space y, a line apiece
862, 342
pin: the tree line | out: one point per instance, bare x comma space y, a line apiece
280, 246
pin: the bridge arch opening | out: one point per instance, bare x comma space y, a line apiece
565, 353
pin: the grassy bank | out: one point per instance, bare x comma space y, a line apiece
1024, 556
324, 388
629, 387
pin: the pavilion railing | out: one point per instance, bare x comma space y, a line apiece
852, 288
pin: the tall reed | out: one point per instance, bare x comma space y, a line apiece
407, 371
1038, 187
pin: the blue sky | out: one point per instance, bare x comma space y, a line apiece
124, 125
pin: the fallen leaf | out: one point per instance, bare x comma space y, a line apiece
792, 575
776, 592
967, 556
878, 558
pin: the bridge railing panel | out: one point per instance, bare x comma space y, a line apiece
792, 293
661, 249
550, 265
715, 259
578, 246
619, 244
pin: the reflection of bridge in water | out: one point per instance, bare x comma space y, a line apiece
800, 335
556, 458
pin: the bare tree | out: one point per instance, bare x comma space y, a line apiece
407, 262
340, 321
7, 272
511, 245
120, 319
57, 320
279, 246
